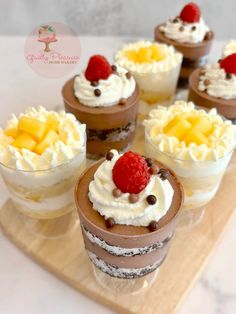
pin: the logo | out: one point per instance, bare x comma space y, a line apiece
52, 50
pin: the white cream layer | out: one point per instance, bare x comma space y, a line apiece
229, 48
123, 212
218, 83
112, 89
183, 32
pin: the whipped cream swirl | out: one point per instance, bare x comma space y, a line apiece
112, 89
229, 48
218, 84
171, 60
221, 140
72, 142
123, 212
191, 33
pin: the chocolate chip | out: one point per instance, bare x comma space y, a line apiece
128, 75
133, 198
207, 82
97, 92
193, 28
110, 222
116, 192
153, 226
94, 83
154, 169
229, 76
151, 199
181, 29
164, 174
123, 101
202, 72
208, 36
149, 161
109, 156
219, 61
114, 68
175, 20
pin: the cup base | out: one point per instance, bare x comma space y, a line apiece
52, 228
118, 286
190, 218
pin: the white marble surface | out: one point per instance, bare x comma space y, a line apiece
25, 288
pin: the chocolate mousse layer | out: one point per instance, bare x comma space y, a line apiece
125, 251
195, 55
104, 123
226, 107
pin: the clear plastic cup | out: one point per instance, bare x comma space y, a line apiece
200, 179
45, 197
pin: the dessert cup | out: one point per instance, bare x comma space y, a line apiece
157, 80
199, 177
107, 127
123, 255
195, 55
226, 107
41, 184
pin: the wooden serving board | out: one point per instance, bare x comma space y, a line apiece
190, 250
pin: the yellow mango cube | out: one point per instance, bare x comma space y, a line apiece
131, 55
202, 125
195, 137
145, 55
157, 54
50, 138
24, 140
33, 127
52, 123
12, 132
177, 127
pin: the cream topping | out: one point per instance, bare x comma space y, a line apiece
229, 48
123, 212
221, 140
183, 32
215, 82
71, 142
112, 89
172, 58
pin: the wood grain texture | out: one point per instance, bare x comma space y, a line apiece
190, 250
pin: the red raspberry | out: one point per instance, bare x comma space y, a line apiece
98, 68
229, 64
130, 173
190, 13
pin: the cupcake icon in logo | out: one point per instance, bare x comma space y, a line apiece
47, 35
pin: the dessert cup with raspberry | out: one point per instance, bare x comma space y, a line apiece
41, 155
128, 208
105, 98
189, 34
155, 67
196, 144
215, 86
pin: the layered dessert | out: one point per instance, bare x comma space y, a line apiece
196, 144
215, 85
155, 68
189, 34
128, 207
41, 155
105, 98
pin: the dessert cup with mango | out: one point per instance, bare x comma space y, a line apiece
105, 98
41, 155
155, 68
189, 34
196, 144
128, 208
